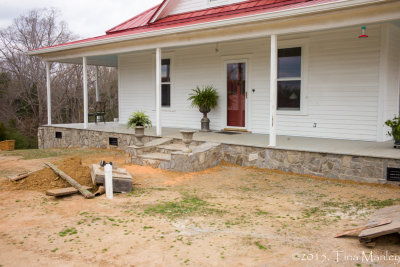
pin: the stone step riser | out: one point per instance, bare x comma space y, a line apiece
155, 163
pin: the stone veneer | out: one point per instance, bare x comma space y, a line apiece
349, 167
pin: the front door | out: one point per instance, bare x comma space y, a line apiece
236, 90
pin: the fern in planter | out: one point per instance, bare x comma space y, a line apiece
139, 118
204, 99
395, 125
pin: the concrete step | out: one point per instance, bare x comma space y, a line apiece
158, 142
154, 159
172, 147
149, 146
156, 156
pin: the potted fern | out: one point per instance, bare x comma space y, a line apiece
139, 121
394, 124
205, 99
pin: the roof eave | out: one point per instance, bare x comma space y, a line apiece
206, 25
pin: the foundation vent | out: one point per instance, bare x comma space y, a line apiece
113, 141
58, 135
393, 174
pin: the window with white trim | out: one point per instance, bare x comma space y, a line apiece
166, 83
289, 78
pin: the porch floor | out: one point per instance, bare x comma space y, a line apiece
310, 144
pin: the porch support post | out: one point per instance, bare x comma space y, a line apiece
48, 82
273, 91
85, 94
158, 91
97, 84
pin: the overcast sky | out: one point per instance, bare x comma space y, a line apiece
86, 18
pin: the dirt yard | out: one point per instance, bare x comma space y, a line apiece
225, 216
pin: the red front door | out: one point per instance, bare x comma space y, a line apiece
236, 85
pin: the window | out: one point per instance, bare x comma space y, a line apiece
289, 78
166, 83
113, 141
59, 135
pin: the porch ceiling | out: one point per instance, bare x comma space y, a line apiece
103, 60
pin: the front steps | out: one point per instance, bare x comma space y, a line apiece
167, 154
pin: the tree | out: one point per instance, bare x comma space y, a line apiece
39, 28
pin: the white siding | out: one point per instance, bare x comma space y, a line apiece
342, 89
182, 6
391, 99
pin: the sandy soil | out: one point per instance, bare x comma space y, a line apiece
225, 216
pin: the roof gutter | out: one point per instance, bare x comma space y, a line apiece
213, 24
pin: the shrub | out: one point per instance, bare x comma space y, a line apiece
139, 118
205, 98
395, 125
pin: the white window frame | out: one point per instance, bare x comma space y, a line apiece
167, 55
303, 43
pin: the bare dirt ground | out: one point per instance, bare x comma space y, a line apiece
225, 216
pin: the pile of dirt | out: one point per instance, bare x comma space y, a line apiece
46, 178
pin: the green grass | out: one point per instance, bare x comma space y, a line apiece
260, 246
378, 204
189, 205
68, 231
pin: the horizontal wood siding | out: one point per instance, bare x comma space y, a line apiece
393, 76
342, 89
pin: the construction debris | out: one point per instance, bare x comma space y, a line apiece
122, 180
71, 181
357, 231
19, 177
100, 191
367, 236
61, 192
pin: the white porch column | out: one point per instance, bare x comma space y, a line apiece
85, 94
273, 91
97, 84
158, 91
48, 81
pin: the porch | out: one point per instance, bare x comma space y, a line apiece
293, 143
360, 161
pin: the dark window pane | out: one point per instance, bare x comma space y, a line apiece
289, 62
289, 95
165, 70
166, 95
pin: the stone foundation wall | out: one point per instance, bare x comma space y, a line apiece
349, 167
83, 138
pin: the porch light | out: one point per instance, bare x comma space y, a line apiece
363, 32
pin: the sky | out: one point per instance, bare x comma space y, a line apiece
86, 18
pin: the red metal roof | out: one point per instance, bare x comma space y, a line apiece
220, 11
140, 23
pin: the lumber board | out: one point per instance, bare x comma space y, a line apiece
20, 176
61, 192
392, 213
359, 229
71, 181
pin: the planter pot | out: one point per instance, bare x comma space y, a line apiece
139, 133
205, 121
396, 143
187, 138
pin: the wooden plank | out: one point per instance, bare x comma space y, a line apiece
60, 192
71, 181
390, 212
359, 229
20, 176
